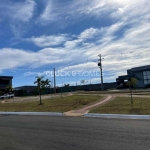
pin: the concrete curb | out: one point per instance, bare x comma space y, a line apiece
118, 116
33, 113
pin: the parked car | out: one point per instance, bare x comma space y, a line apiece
7, 96
120, 86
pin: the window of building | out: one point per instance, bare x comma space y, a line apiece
146, 75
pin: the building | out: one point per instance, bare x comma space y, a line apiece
32, 90
26, 87
5, 81
142, 74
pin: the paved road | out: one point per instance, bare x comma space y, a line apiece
72, 133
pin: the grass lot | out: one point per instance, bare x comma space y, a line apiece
138, 92
51, 105
122, 105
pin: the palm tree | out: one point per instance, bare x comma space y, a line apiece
66, 85
39, 83
46, 83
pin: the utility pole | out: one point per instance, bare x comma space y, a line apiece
54, 82
100, 66
76, 86
61, 89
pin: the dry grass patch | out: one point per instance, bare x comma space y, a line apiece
122, 105
51, 105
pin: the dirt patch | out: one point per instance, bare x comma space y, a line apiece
34, 98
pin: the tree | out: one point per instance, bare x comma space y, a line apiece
40, 84
131, 83
9, 88
66, 85
82, 81
46, 83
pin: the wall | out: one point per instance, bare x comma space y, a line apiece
139, 76
4, 82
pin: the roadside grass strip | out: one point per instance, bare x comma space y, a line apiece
136, 92
51, 105
122, 105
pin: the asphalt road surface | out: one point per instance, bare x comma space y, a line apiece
72, 133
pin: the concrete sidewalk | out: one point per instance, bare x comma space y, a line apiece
85, 110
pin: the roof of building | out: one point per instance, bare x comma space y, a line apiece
141, 68
6, 77
124, 77
26, 87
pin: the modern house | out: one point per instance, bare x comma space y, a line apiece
5, 81
142, 74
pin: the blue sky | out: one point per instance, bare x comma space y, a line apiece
39, 35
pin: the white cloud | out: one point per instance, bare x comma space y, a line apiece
48, 14
12, 58
30, 73
89, 33
81, 67
52, 40
18, 11
130, 50
96, 35
17, 15
70, 12
124, 50
73, 43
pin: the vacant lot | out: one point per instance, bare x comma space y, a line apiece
136, 92
122, 105
51, 105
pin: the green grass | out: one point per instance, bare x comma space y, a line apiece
122, 105
51, 105
116, 92
103, 92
